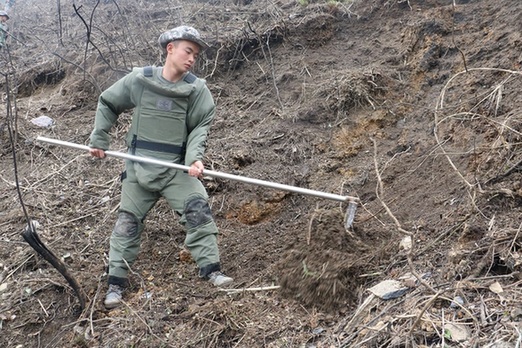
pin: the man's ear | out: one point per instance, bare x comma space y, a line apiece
171, 46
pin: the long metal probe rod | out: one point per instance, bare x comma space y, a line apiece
211, 173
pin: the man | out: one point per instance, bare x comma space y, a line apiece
4, 28
173, 110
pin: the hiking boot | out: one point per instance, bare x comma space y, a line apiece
217, 278
114, 296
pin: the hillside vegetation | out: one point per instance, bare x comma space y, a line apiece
413, 107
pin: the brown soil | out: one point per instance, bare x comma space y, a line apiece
410, 106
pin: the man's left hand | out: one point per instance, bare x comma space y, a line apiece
196, 169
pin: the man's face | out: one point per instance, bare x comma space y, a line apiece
182, 54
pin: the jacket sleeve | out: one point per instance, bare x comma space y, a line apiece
111, 103
200, 116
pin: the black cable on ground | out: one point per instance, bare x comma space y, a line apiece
29, 233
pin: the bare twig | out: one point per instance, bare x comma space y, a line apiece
262, 288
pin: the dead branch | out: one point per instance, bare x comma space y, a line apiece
31, 237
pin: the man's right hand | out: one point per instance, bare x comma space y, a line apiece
97, 153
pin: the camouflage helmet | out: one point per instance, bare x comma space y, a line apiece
3, 13
181, 33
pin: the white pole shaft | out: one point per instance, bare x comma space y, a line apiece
211, 173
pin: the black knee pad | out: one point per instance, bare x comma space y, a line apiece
126, 225
197, 212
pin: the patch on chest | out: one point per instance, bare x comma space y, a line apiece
164, 104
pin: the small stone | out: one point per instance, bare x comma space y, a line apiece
458, 333
457, 302
516, 314
405, 243
388, 289
43, 121
496, 288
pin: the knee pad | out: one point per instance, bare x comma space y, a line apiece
126, 225
197, 212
